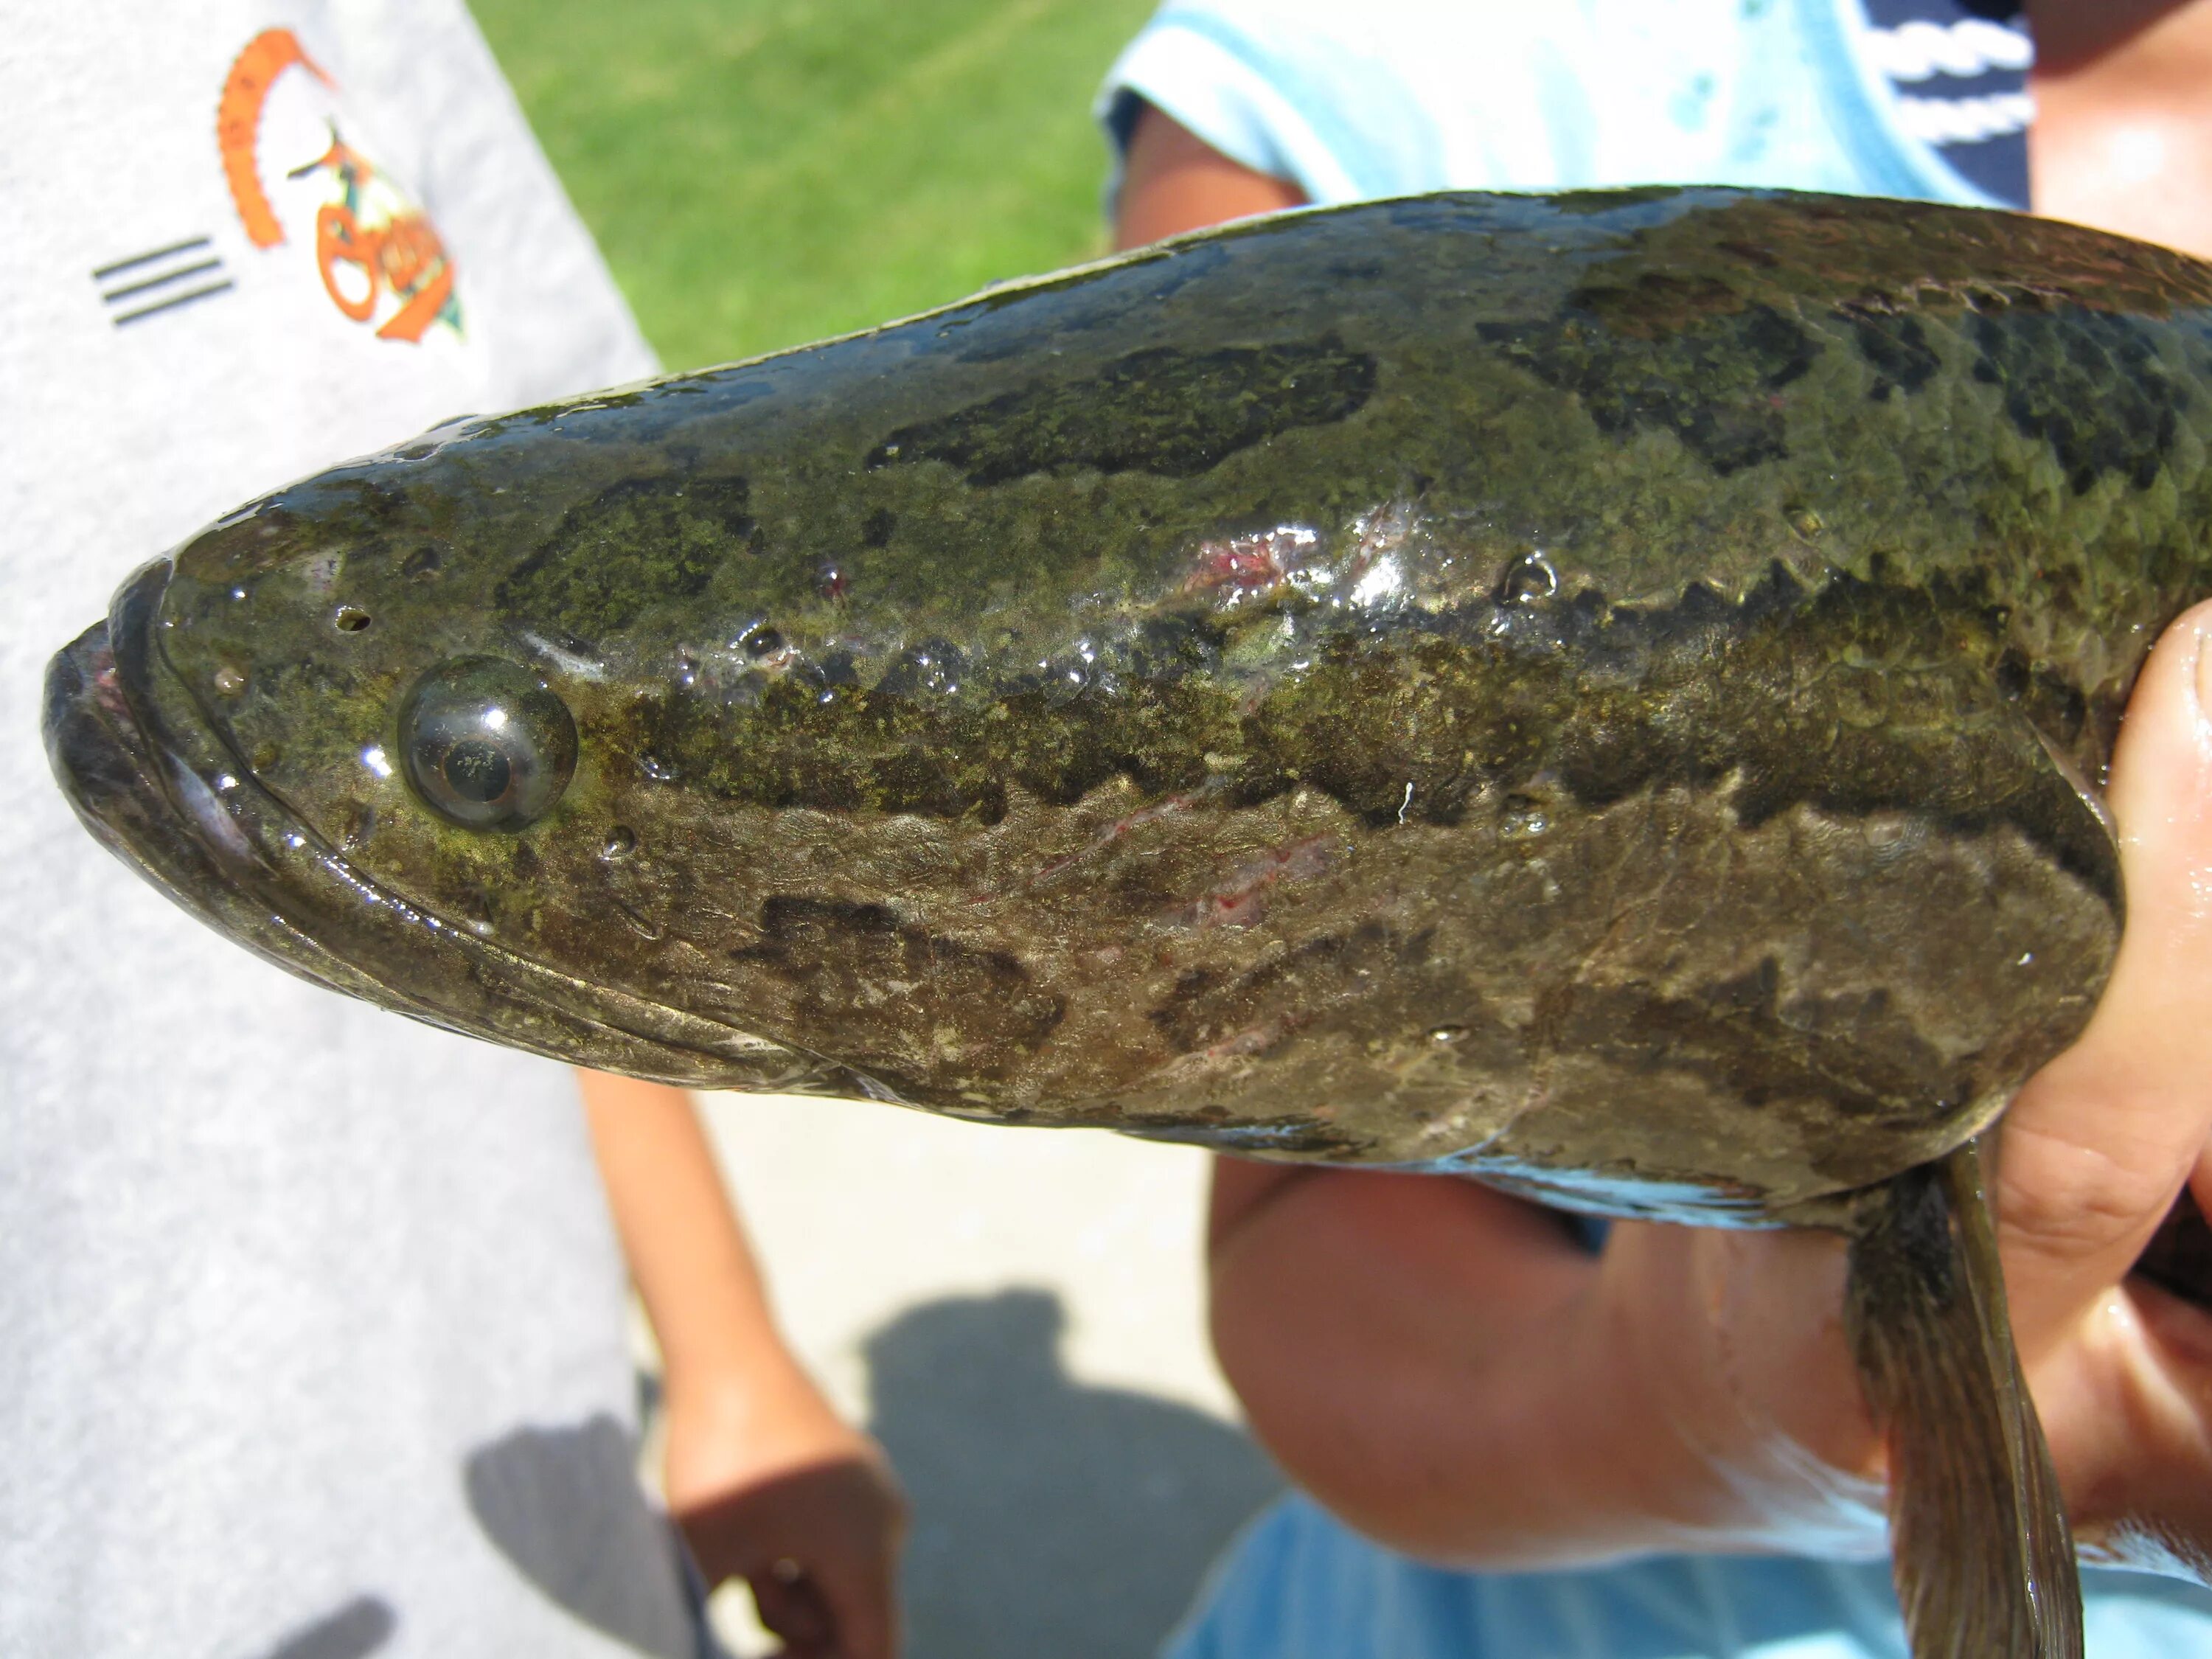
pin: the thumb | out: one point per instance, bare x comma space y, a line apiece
2101, 1140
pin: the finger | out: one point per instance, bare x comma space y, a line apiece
2100, 1141
861, 1599
792, 1608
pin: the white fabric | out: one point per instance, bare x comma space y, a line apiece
310, 1317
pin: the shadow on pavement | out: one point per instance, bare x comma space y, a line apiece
1050, 1517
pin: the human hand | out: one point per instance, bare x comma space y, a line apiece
771, 1485
1441, 1364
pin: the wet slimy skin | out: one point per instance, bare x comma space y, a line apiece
1608, 693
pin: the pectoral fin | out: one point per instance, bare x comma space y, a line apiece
1984, 1558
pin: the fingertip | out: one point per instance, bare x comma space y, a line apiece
2161, 804
2161, 782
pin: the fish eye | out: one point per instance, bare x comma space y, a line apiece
487, 744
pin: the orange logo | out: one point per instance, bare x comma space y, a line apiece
378, 253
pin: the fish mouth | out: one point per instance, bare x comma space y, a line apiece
159, 788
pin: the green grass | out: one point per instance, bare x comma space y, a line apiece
763, 172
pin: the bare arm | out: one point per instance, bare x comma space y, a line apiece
768, 1482
2123, 134
1175, 182
1417, 1353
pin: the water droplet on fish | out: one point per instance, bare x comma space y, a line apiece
621, 842
687, 672
1444, 1036
656, 769
833, 583
350, 619
1529, 578
355, 828
1523, 818
2026, 957
230, 680
237, 593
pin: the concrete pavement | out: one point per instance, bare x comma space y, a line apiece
1018, 1315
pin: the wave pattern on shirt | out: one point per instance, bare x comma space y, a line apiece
1960, 75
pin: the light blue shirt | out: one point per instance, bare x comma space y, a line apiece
1300, 1585
1356, 99
1396, 97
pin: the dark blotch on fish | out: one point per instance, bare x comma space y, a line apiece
1165, 410
1741, 1036
1897, 347
1258, 1007
1689, 355
636, 545
919, 989
2089, 385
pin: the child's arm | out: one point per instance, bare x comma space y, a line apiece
1445, 1367
768, 1482
1174, 182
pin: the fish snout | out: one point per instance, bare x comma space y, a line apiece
96, 748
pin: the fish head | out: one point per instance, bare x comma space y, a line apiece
309, 729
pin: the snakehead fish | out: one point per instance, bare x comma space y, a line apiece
1606, 694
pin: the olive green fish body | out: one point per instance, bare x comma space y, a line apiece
1607, 691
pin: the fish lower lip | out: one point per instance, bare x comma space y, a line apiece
125, 782
97, 740
88, 729
100, 756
